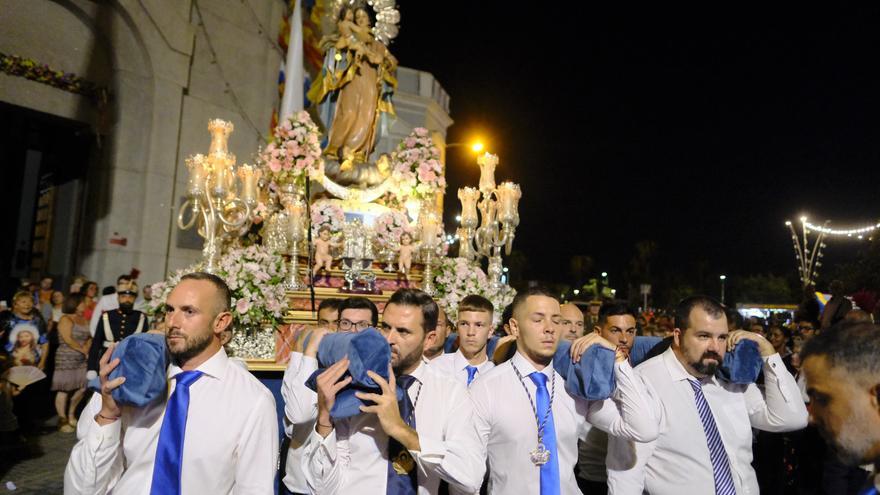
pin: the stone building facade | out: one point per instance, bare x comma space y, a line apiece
170, 66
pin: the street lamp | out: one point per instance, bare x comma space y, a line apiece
722, 278
475, 146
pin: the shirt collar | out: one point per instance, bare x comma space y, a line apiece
215, 366
460, 362
526, 368
677, 371
419, 373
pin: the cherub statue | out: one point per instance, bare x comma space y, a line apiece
405, 253
323, 258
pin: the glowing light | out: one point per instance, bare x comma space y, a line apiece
477, 146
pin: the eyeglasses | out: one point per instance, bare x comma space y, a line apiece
345, 324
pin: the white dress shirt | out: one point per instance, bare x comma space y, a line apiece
455, 365
106, 303
507, 427
230, 444
353, 458
680, 455
300, 413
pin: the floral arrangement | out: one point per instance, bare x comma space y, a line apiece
390, 225
42, 73
254, 275
294, 152
416, 167
325, 213
455, 278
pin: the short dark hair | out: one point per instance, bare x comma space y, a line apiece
123, 278
71, 301
106, 291
225, 294
521, 296
853, 346
416, 297
505, 319
358, 302
615, 308
331, 303
734, 316
474, 302
684, 308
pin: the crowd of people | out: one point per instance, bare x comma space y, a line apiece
465, 406
50, 339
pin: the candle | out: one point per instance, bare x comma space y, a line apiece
429, 230
487, 162
468, 197
249, 178
220, 178
197, 174
509, 194
295, 212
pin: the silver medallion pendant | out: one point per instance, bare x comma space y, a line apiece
540, 455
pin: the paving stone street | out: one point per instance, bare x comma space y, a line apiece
37, 468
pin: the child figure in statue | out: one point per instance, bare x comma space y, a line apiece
405, 253
323, 258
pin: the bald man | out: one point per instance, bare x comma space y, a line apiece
572, 322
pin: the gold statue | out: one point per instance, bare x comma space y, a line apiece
354, 89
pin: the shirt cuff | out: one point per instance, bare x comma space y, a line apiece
103, 436
327, 444
773, 368
773, 363
432, 451
309, 364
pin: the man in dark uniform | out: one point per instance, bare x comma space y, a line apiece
117, 324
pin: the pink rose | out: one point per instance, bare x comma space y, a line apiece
421, 131
275, 165
242, 306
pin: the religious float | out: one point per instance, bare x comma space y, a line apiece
321, 214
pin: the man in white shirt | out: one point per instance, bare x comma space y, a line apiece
301, 402
405, 447
843, 382
108, 302
617, 325
572, 322
218, 432
474, 326
526, 421
294, 481
705, 423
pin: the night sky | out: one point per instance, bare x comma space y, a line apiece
701, 129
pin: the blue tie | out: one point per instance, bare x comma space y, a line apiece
169, 452
720, 464
402, 478
472, 372
550, 469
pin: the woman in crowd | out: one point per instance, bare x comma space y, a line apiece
70, 361
90, 290
52, 310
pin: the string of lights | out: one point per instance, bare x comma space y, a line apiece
860, 231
